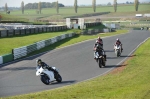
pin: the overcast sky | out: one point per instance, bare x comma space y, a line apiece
17, 3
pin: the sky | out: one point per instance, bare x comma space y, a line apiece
17, 3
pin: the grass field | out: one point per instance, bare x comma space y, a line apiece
130, 82
50, 13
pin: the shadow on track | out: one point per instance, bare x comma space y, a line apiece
108, 50
112, 57
128, 56
18, 68
65, 82
122, 56
111, 66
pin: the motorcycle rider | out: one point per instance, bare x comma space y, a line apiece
98, 47
118, 42
100, 41
43, 64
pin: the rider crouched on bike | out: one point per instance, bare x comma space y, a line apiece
118, 42
43, 64
98, 47
100, 41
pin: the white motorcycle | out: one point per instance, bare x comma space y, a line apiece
118, 50
48, 76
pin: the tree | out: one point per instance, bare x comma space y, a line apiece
57, 7
127, 2
94, 5
6, 8
109, 3
39, 7
115, 5
22, 7
75, 6
136, 4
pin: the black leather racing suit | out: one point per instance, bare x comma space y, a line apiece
43, 64
99, 48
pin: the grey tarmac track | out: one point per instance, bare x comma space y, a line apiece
75, 64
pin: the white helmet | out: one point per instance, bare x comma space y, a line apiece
117, 39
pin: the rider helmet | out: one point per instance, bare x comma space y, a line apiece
117, 39
39, 61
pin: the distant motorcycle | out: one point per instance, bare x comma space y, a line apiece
48, 76
100, 59
142, 28
118, 50
147, 28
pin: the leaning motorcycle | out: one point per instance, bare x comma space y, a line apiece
48, 76
100, 59
118, 50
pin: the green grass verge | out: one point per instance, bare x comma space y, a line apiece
130, 83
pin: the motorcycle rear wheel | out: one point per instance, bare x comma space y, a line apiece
104, 62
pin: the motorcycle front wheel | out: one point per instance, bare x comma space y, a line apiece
118, 53
45, 79
58, 78
99, 62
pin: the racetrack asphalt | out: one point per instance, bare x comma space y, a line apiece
75, 64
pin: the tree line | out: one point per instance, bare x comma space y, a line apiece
41, 5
